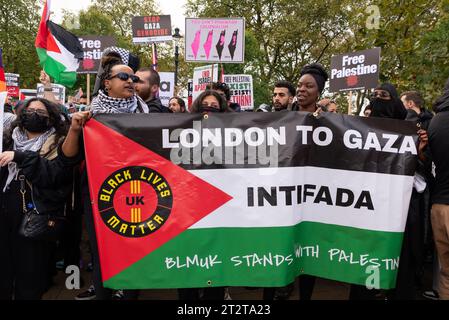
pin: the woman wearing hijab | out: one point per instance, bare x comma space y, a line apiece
385, 103
33, 176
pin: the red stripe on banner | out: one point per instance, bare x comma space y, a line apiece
193, 198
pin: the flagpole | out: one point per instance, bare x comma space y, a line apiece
350, 103
155, 58
88, 89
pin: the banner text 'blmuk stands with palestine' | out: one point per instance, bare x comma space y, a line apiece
251, 199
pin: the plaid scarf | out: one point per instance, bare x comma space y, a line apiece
105, 104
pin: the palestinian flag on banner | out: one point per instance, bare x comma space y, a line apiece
2, 73
250, 199
59, 51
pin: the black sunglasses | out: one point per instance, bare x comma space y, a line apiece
125, 76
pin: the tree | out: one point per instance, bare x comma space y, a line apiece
19, 21
284, 35
289, 34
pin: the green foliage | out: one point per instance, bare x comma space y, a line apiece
281, 37
19, 21
288, 34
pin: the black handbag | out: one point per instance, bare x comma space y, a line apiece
37, 226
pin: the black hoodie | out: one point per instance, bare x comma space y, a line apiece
423, 118
439, 147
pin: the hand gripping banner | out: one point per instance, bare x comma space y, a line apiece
248, 199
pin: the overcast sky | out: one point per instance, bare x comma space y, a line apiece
175, 8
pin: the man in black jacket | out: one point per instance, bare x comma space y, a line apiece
148, 90
414, 103
439, 145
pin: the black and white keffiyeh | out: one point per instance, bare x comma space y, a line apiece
23, 143
102, 103
124, 54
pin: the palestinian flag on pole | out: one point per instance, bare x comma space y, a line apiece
59, 51
251, 199
2, 73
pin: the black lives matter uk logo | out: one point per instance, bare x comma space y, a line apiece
135, 201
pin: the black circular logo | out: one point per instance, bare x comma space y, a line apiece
135, 201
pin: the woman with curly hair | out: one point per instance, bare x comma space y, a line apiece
33, 176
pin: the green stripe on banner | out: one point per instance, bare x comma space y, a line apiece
266, 257
56, 69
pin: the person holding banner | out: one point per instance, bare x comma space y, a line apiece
209, 101
224, 90
283, 94
310, 87
385, 103
116, 94
36, 176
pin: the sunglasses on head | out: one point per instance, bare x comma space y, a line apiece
125, 76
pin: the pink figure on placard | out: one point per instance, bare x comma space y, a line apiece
196, 43
208, 44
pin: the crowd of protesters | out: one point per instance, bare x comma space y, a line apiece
43, 169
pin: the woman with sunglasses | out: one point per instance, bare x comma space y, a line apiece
34, 175
117, 89
116, 94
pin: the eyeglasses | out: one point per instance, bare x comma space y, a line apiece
125, 76
380, 94
39, 112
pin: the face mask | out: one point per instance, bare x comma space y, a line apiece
208, 109
35, 123
382, 108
